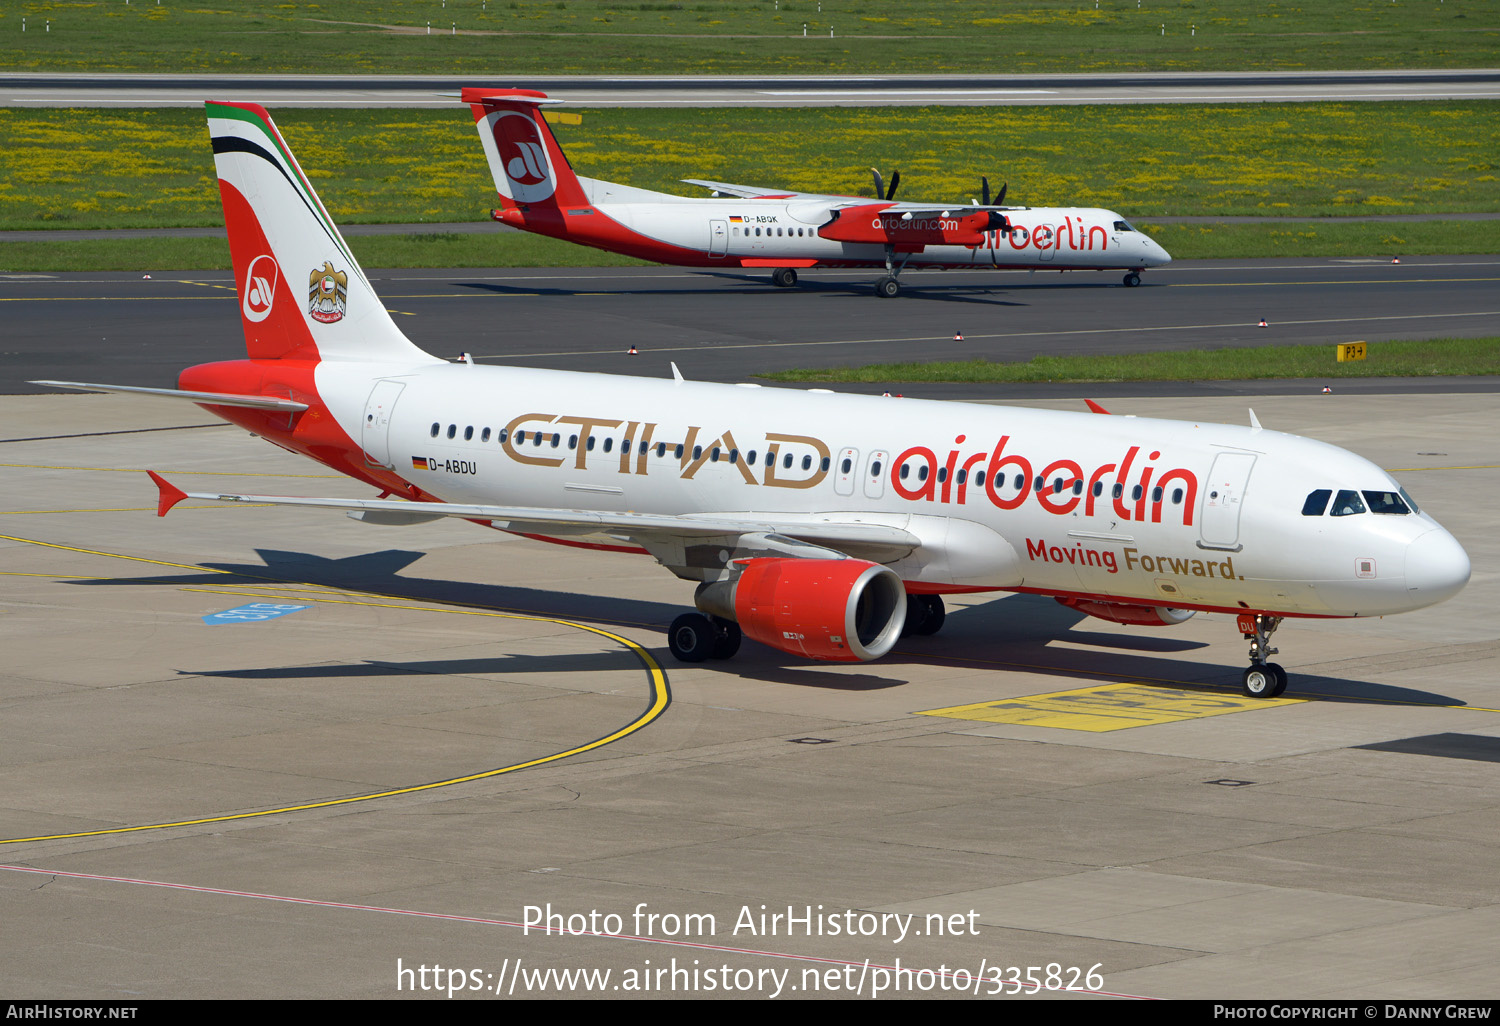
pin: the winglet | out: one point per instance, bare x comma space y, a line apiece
170, 496
1096, 407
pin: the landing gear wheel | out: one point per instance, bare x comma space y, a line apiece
784, 277
1132, 280
888, 288
1260, 681
691, 637
924, 615
1280, 675
726, 638
932, 621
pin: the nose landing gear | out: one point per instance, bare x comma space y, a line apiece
1262, 679
1132, 278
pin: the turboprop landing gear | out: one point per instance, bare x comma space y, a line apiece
1132, 279
888, 287
1262, 679
924, 615
694, 637
784, 277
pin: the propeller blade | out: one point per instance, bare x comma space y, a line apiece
1000, 199
879, 183
984, 185
895, 181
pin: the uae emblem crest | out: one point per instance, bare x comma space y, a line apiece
327, 294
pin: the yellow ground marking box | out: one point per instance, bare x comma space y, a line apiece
1108, 707
1350, 351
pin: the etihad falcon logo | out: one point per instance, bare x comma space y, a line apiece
327, 294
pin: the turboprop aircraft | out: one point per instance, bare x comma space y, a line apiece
822, 525
779, 230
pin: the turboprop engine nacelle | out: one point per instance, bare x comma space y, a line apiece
1122, 612
839, 610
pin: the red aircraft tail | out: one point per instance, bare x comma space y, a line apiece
531, 172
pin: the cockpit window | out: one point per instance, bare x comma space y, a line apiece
1123, 226
1386, 502
1316, 503
1347, 503
1410, 501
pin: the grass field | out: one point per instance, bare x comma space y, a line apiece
153, 168
1385, 359
561, 37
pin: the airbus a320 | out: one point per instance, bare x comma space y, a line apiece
822, 525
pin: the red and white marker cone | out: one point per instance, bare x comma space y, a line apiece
1327, 390
632, 352
1395, 260
958, 336
1262, 322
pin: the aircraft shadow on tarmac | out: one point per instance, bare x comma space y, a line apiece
983, 295
1014, 632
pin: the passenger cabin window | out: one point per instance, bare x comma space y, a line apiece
435, 429
1386, 502
1317, 502
1347, 504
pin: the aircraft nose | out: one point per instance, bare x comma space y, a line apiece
1158, 256
1437, 567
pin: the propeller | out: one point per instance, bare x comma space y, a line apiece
881, 192
1000, 199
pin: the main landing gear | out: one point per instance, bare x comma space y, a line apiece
1262, 679
1132, 278
888, 287
924, 615
784, 277
695, 637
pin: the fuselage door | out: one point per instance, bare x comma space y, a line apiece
1223, 497
846, 471
1044, 237
376, 430
718, 238
875, 473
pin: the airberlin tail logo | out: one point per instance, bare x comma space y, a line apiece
523, 155
259, 288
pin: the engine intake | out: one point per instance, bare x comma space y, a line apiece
838, 610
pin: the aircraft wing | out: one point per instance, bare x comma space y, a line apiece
750, 191
775, 531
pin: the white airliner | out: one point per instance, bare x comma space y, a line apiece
821, 525
784, 231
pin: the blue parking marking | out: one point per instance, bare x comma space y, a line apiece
253, 613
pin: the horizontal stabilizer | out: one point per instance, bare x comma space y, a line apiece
254, 402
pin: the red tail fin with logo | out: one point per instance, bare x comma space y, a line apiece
531, 172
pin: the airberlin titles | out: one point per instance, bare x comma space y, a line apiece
1132, 489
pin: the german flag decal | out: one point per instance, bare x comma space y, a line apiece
420, 463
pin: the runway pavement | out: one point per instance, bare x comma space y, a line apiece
1336, 844
732, 325
21, 89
